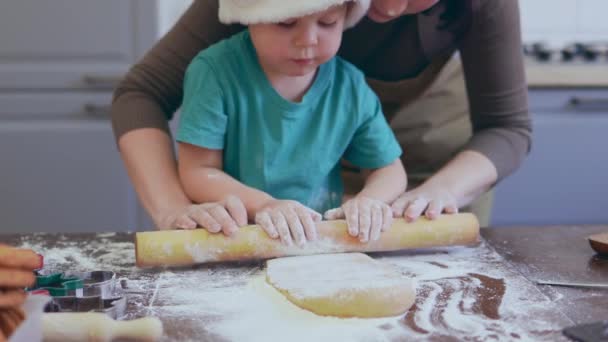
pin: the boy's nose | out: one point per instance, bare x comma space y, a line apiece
306, 37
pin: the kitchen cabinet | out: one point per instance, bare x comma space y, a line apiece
60, 170
72, 44
563, 180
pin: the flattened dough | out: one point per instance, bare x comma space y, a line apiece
342, 285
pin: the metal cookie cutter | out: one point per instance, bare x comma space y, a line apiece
93, 291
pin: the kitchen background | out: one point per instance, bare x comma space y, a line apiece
59, 61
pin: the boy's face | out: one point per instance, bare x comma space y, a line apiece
296, 47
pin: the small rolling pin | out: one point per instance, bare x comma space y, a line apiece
188, 247
98, 327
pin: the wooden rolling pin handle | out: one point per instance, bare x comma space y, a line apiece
98, 327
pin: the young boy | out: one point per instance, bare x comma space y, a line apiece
269, 113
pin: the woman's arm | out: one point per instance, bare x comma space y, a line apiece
492, 59
143, 102
200, 171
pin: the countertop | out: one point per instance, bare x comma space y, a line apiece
566, 75
484, 292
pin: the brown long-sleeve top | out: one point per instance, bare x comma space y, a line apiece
485, 32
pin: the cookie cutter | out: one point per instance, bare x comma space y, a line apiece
82, 292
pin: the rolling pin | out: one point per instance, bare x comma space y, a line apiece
90, 326
188, 247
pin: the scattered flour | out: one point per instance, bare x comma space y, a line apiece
468, 294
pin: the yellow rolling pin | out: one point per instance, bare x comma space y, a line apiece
189, 247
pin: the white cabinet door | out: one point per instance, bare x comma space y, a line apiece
59, 167
72, 44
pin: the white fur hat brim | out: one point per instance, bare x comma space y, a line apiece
249, 12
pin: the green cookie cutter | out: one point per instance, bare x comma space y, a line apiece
58, 285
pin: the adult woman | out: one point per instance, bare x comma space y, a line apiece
454, 151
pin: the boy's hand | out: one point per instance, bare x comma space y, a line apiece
288, 220
366, 217
225, 216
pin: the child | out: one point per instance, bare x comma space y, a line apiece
269, 113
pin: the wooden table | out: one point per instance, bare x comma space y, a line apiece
192, 301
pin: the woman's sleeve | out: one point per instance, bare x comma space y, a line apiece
153, 89
494, 72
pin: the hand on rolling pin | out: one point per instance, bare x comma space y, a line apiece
288, 220
428, 200
16, 273
225, 216
366, 217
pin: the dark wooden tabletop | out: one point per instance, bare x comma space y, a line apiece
559, 253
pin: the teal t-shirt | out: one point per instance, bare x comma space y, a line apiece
289, 150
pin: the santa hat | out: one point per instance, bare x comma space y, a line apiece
248, 12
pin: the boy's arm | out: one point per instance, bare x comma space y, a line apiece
386, 183
200, 171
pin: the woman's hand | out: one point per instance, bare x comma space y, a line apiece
366, 217
428, 199
288, 220
225, 216
16, 273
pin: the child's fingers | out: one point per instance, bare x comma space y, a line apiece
334, 214
310, 228
221, 216
237, 210
12, 278
365, 220
19, 258
376, 222
12, 298
184, 222
387, 214
451, 209
281, 225
295, 226
351, 213
263, 220
205, 220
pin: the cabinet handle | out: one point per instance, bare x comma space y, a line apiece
98, 81
588, 103
97, 111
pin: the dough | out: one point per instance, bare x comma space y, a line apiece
342, 285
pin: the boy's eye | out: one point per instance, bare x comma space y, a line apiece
328, 23
288, 23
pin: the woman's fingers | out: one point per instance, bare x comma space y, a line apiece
415, 209
12, 298
400, 205
19, 258
14, 278
205, 220
435, 208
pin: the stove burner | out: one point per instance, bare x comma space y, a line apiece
574, 52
